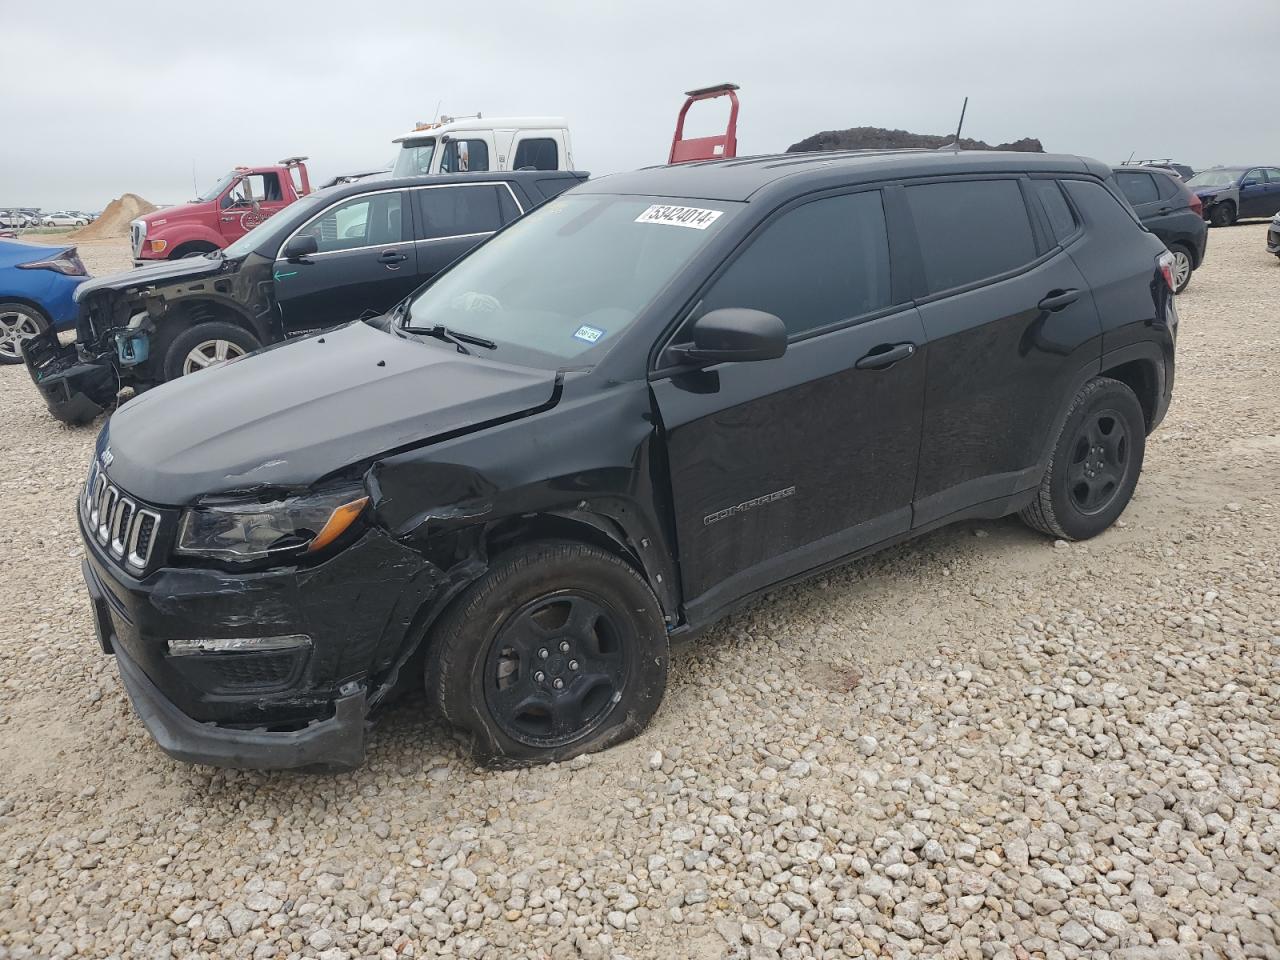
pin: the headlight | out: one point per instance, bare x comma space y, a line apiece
241, 531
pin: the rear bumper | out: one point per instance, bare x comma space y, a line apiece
75, 389
1273, 238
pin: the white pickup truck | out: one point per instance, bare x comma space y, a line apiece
472, 144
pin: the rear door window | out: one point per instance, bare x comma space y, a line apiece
458, 211
1273, 175
1138, 188
1062, 221
970, 230
536, 153
1168, 186
814, 266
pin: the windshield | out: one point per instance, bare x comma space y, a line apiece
297, 211
565, 281
216, 190
414, 158
1214, 178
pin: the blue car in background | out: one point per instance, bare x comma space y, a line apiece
37, 287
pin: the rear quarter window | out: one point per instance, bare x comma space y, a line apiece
1062, 221
970, 230
1101, 209
1137, 187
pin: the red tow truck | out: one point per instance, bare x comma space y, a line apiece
236, 204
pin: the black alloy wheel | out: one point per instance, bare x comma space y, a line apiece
557, 668
559, 648
1099, 462
1095, 463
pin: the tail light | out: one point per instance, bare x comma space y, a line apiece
67, 262
1165, 261
1197, 205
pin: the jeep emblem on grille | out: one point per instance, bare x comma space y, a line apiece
106, 458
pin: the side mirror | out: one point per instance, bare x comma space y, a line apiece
303, 245
733, 334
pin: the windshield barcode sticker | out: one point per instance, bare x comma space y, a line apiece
694, 217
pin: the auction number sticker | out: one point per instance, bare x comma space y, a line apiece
589, 334
694, 217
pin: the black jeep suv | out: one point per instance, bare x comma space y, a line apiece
326, 259
651, 399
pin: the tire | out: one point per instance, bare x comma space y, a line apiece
18, 322
1182, 267
1095, 465
217, 340
1222, 214
501, 648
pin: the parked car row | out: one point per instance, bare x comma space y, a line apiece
18, 219
333, 256
617, 417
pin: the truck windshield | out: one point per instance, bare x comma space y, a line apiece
564, 282
216, 190
414, 158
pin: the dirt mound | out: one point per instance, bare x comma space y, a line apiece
878, 138
114, 221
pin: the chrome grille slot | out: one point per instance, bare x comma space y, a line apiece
142, 537
120, 525
95, 499
106, 505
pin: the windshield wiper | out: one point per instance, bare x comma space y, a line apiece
441, 332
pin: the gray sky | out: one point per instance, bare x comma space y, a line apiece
99, 98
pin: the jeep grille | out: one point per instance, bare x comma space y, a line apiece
123, 527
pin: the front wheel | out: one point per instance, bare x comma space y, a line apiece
559, 649
206, 345
1223, 214
1095, 463
18, 322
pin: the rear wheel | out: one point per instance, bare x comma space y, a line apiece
1095, 465
18, 322
1181, 268
1223, 214
559, 649
206, 345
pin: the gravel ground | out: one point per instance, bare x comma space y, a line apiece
979, 744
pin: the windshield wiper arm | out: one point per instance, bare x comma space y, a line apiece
441, 332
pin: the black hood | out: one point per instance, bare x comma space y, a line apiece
289, 415
162, 272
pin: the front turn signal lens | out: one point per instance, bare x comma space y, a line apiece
336, 525
158, 246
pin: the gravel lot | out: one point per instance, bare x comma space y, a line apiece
979, 744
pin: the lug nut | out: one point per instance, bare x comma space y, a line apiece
558, 683
544, 653
564, 646
573, 664
539, 676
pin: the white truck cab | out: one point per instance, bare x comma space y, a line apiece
471, 144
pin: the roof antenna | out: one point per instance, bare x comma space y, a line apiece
960, 125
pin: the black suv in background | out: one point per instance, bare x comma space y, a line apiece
649, 400
329, 258
1169, 209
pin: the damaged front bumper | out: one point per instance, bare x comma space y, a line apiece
304, 707
76, 388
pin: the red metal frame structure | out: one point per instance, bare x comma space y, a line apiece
707, 148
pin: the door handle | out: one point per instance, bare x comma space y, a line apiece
885, 355
391, 257
1164, 210
1057, 299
